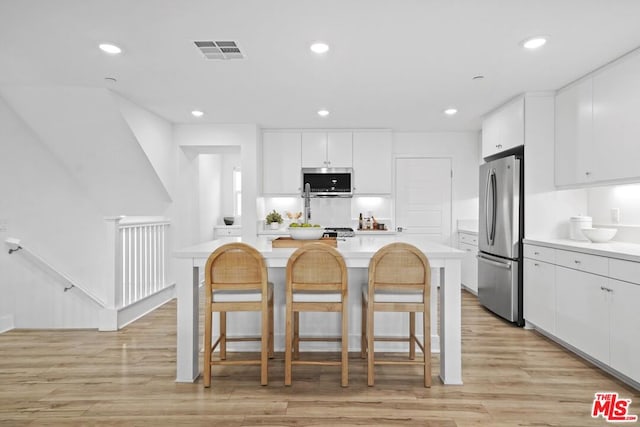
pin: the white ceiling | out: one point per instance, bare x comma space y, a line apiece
392, 64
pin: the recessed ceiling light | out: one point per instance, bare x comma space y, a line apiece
197, 113
534, 42
319, 47
323, 113
450, 111
110, 48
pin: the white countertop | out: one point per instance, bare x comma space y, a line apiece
620, 250
227, 226
356, 250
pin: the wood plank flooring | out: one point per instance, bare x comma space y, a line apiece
512, 377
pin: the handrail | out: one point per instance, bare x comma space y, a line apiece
15, 246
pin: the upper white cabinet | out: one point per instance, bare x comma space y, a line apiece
281, 153
574, 135
504, 128
372, 152
327, 149
616, 128
597, 130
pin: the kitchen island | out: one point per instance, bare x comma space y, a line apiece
357, 251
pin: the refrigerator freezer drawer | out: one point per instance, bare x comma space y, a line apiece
498, 288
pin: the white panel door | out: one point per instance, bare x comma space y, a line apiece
423, 197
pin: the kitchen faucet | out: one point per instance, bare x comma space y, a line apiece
307, 203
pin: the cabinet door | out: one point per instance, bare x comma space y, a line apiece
539, 297
574, 134
281, 163
616, 128
314, 149
625, 328
511, 123
372, 162
490, 135
582, 316
339, 149
469, 272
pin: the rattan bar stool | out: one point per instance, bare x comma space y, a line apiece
399, 281
316, 282
236, 280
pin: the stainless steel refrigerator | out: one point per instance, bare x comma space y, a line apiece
500, 234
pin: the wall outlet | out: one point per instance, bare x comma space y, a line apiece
615, 215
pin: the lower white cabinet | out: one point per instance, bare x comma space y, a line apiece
468, 242
625, 327
582, 317
226, 231
578, 298
539, 297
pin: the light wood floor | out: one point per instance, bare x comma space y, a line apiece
511, 377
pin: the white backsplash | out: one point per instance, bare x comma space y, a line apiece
330, 211
625, 198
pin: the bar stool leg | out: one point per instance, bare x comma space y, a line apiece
426, 343
288, 341
208, 327
345, 344
370, 351
296, 335
264, 346
363, 330
271, 343
223, 335
412, 335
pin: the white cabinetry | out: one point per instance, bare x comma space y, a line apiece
281, 153
468, 242
583, 312
597, 130
504, 128
540, 288
372, 156
327, 149
587, 301
574, 134
226, 231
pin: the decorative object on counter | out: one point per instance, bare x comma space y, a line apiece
305, 231
228, 220
576, 224
294, 216
274, 219
360, 222
599, 235
289, 242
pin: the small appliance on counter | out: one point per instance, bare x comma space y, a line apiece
576, 224
338, 232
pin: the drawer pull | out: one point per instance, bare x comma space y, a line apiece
576, 261
536, 264
604, 288
536, 253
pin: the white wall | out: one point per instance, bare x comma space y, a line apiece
547, 210
229, 162
196, 139
44, 206
463, 149
210, 185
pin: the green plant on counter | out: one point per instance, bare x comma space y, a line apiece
293, 224
273, 217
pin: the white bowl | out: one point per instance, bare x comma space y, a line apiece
599, 235
306, 233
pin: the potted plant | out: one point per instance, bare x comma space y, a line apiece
274, 219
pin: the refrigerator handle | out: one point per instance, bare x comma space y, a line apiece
486, 209
494, 205
494, 263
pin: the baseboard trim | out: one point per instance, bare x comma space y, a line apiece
6, 323
113, 320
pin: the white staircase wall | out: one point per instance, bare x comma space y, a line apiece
69, 157
85, 130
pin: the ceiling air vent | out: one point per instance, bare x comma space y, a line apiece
219, 49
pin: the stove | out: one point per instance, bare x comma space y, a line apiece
338, 232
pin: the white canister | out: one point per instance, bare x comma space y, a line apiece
576, 224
